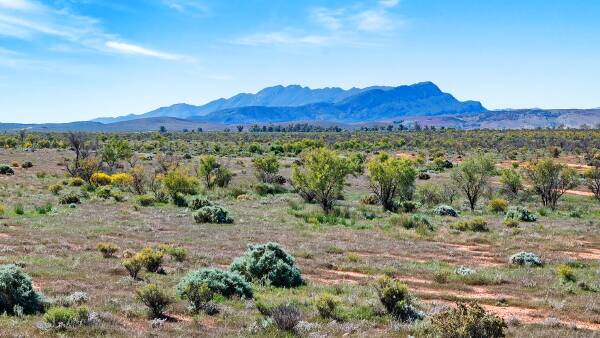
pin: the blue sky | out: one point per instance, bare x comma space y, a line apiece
66, 60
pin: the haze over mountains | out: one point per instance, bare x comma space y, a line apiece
423, 102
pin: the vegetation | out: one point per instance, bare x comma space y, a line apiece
472, 177
390, 178
550, 180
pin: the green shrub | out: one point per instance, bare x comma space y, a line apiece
146, 200
212, 214
133, 266
178, 254
151, 259
268, 264
6, 170
566, 273
26, 165
44, 209
225, 283
198, 295
467, 321
104, 192
55, 188
520, 214
475, 224
411, 222
222, 177
264, 189
70, 198
179, 200
16, 290
445, 210
326, 305
396, 299
19, 210
155, 299
526, 258
198, 202
107, 249
429, 194
77, 182
66, 317
498, 205
179, 182
407, 206
511, 223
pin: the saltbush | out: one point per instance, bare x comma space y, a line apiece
445, 210
16, 291
107, 249
526, 258
467, 321
212, 214
396, 299
520, 214
225, 283
286, 317
6, 170
268, 264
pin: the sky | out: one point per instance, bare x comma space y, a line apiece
73, 60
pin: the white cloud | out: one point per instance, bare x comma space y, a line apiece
374, 21
188, 6
127, 48
389, 3
21, 5
331, 19
281, 38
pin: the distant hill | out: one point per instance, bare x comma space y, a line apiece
277, 96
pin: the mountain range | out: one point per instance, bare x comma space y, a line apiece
422, 103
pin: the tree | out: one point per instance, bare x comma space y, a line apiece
208, 170
162, 129
266, 167
323, 174
550, 180
240, 128
81, 148
114, 151
592, 177
472, 177
511, 181
391, 177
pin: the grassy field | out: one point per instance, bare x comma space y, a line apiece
340, 255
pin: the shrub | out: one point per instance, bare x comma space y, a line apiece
526, 258
151, 259
100, 179
511, 182
429, 194
155, 299
396, 299
64, 317
445, 210
222, 177
475, 224
122, 180
179, 200
107, 249
511, 223
286, 317
472, 177
498, 205
391, 177
467, 321
268, 264
133, 266
55, 188
77, 182
146, 200
179, 182
76, 298
566, 273
6, 170
326, 305
520, 214
264, 189
411, 222
104, 192
19, 210
370, 200
198, 295
16, 290
199, 202
225, 283
408, 206
266, 168
26, 165
550, 180
178, 254
70, 198
213, 214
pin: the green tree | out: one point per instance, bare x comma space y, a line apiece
390, 178
592, 178
511, 181
550, 180
212, 173
266, 167
472, 177
323, 174
114, 151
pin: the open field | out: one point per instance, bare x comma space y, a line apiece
340, 254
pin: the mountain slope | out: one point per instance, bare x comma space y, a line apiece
277, 96
375, 104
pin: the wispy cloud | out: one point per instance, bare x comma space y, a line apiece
127, 48
27, 20
194, 7
281, 38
